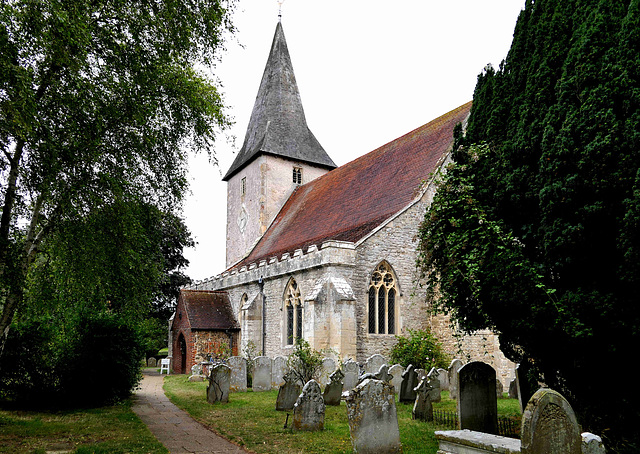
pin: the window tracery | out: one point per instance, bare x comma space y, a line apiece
293, 312
382, 301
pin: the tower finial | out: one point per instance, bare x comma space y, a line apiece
280, 2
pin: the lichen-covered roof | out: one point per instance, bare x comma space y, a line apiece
278, 125
208, 310
349, 202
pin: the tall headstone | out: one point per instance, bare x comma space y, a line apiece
288, 393
333, 390
513, 389
238, 381
549, 425
278, 370
262, 374
454, 367
477, 402
328, 367
443, 374
408, 385
308, 411
396, 372
373, 363
351, 372
218, 389
423, 405
433, 377
373, 420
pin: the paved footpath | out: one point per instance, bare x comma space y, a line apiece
173, 427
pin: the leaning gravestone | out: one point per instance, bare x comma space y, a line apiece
433, 377
477, 402
288, 393
423, 406
396, 372
373, 420
218, 389
333, 390
454, 367
373, 363
408, 385
278, 370
351, 372
328, 367
549, 425
308, 411
262, 374
238, 381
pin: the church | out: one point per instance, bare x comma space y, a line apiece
321, 252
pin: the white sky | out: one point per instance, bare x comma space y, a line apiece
368, 71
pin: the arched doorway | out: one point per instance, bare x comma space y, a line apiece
182, 345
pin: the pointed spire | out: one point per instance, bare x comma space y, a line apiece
278, 125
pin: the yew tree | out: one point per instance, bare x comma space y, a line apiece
98, 102
535, 230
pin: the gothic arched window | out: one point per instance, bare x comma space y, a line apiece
382, 301
293, 311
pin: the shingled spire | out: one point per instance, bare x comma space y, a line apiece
278, 125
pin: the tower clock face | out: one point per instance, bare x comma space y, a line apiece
242, 220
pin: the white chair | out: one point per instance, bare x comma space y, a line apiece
164, 365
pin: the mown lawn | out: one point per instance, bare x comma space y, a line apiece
250, 420
113, 429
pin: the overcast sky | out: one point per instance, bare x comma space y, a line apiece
368, 72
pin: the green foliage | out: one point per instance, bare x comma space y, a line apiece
421, 349
304, 362
534, 230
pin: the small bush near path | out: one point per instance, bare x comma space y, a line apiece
112, 429
250, 420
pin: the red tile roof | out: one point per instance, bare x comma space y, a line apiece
349, 202
208, 310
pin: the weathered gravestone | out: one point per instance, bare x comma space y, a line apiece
218, 389
454, 367
549, 425
278, 369
262, 374
373, 420
328, 367
477, 403
513, 389
433, 377
333, 390
423, 406
592, 444
288, 393
151, 362
443, 374
396, 372
408, 385
381, 374
373, 363
308, 411
196, 373
499, 389
238, 381
525, 392
351, 372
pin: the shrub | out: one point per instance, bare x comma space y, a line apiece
305, 363
419, 348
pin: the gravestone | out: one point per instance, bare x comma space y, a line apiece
477, 402
218, 389
328, 367
381, 374
373, 420
396, 372
525, 392
351, 372
549, 425
408, 385
333, 390
238, 381
196, 369
420, 373
513, 389
433, 377
444, 379
308, 411
423, 405
454, 367
151, 362
288, 393
592, 444
499, 389
262, 374
278, 369
373, 363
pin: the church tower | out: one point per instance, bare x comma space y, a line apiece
278, 154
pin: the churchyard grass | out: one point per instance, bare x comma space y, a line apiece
250, 420
111, 429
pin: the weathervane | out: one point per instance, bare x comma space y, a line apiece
280, 2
